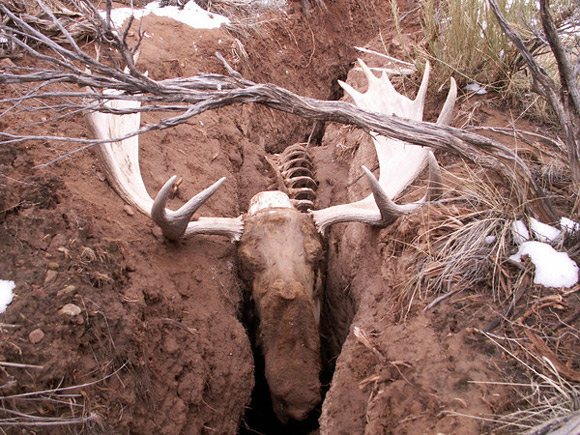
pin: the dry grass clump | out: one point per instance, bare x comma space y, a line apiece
544, 393
468, 241
466, 248
470, 237
462, 38
246, 18
240, 8
54, 407
546, 390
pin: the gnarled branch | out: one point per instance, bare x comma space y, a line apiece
565, 97
190, 96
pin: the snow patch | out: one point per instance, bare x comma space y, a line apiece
6, 294
568, 225
191, 14
475, 87
544, 232
520, 232
553, 268
490, 239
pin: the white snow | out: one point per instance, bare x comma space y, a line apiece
191, 14
553, 268
544, 232
568, 225
6, 295
520, 232
490, 239
475, 87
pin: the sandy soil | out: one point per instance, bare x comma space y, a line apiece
159, 345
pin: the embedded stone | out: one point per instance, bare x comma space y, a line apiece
36, 336
65, 291
50, 276
70, 310
129, 210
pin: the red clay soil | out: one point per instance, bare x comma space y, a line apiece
159, 345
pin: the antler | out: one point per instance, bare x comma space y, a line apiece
120, 161
400, 162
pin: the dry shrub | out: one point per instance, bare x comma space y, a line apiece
467, 242
71, 14
462, 38
466, 247
544, 389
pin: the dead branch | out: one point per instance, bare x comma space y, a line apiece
565, 425
37, 16
64, 66
565, 97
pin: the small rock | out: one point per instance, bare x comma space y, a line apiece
101, 176
50, 276
129, 210
70, 310
57, 241
53, 265
65, 291
36, 336
157, 233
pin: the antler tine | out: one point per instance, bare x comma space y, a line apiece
174, 223
400, 163
445, 115
125, 179
120, 161
378, 208
354, 94
373, 81
419, 101
388, 209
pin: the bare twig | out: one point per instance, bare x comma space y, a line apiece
194, 95
565, 97
18, 365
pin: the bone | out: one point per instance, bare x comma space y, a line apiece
400, 163
120, 162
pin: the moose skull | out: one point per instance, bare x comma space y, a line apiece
280, 253
280, 248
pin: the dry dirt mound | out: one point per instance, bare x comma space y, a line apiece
157, 342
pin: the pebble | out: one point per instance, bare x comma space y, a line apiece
65, 291
70, 309
129, 210
36, 336
53, 265
157, 233
57, 241
50, 276
171, 345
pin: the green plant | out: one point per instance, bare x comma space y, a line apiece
463, 38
